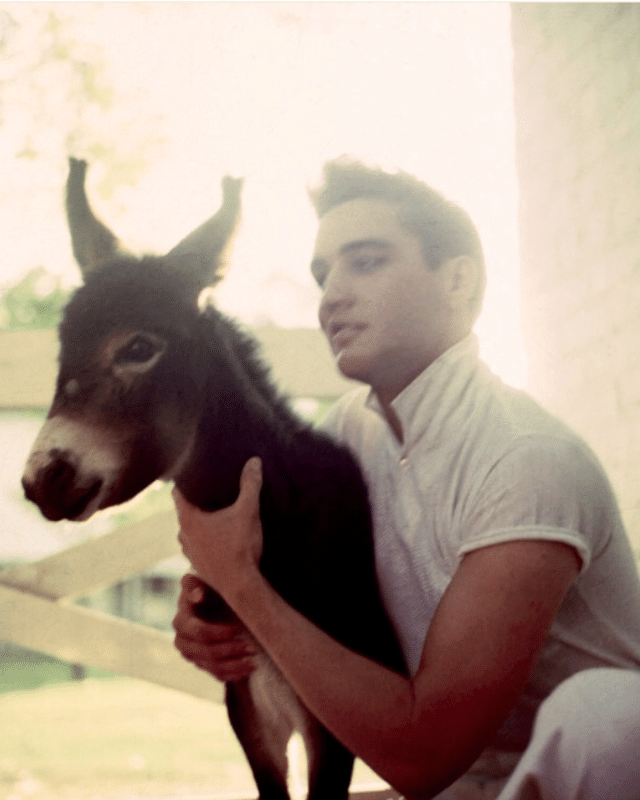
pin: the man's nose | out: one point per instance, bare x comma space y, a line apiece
337, 293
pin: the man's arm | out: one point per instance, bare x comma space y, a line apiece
419, 734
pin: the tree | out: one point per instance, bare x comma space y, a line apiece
57, 95
35, 302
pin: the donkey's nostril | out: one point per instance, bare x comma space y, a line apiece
81, 499
57, 476
58, 491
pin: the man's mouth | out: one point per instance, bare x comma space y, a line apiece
342, 334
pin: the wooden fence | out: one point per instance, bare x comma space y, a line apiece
36, 608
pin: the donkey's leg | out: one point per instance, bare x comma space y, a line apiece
264, 740
330, 765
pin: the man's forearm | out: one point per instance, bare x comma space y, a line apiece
421, 733
365, 705
479, 651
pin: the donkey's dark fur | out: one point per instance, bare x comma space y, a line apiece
151, 387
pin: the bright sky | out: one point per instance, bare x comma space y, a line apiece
272, 90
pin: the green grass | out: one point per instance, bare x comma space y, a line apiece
32, 670
119, 739
115, 739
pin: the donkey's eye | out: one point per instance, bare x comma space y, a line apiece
138, 350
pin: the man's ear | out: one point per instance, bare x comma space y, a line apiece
461, 279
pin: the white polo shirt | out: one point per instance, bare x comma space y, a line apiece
481, 463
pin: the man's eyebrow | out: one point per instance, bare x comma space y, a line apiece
362, 244
353, 247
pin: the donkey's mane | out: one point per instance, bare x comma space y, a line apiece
253, 375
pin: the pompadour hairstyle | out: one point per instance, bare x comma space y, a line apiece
444, 228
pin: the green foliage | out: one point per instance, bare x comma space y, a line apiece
35, 302
59, 96
28, 669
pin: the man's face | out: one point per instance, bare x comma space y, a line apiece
384, 311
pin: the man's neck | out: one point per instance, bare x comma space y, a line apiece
386, 393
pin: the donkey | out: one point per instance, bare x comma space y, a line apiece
151, 386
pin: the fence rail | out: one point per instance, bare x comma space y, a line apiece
300, 360
36, 608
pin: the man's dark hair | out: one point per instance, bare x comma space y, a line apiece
444, 228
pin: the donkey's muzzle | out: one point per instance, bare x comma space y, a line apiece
57, 490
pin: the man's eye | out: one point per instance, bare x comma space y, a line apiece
138, 351
367, 263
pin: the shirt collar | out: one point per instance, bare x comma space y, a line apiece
430, 395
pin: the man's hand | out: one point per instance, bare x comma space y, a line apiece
226, 651
225, 546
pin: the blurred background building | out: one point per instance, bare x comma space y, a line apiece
577, 110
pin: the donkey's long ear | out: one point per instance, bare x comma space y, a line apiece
202, 251
93, 243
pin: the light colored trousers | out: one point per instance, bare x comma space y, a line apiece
585, 746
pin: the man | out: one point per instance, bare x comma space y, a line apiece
500, 552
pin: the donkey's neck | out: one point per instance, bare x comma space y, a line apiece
242, 416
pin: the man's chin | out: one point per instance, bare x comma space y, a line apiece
351, 367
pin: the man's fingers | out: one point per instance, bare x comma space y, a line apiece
229, 671
250, 484
230, 667
193, 591
216, 650
198, 630
189, 582
248, 496
232, 673
181, 503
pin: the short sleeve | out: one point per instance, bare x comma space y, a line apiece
542, 488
